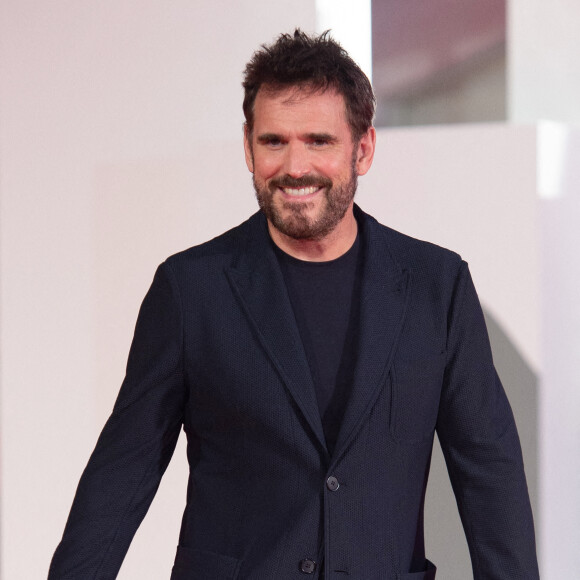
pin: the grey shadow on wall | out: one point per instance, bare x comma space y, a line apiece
444, 537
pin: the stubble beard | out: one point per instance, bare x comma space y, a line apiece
292, 218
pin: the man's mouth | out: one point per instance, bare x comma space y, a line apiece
301, 187
300, 192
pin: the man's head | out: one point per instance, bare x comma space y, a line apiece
312, 63
307, 138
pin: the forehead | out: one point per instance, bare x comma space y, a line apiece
297, 108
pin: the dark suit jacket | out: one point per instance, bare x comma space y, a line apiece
217, 350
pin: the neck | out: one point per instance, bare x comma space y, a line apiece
332, 246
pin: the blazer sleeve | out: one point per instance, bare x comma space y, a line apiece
135, 446
480, 443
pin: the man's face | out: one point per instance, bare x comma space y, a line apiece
304, 161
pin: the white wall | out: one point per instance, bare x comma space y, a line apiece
105, 110
543, 67
559, 177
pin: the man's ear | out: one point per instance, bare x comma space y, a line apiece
248, 148
366, 151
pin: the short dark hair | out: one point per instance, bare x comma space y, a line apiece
316, 63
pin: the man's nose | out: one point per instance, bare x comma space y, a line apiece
296, 161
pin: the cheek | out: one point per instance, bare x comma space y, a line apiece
266, 168
333, 164
333, 168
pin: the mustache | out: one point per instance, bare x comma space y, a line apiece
299, 182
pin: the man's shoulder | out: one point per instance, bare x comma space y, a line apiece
223, 246
410, 249
414, 253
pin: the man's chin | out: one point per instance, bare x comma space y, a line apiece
302, 227
305, 219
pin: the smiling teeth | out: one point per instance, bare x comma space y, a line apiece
299, 192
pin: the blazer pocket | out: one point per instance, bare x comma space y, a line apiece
427, 574
416, 393
193, 564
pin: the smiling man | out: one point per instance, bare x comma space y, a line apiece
305, 162
310, 355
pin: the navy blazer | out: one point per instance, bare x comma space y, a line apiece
217, 351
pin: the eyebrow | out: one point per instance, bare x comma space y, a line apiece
266, 137
321, 137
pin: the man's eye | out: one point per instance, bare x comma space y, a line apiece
320, 142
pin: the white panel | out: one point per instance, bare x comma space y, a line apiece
560, 393
543, 72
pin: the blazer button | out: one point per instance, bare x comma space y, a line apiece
332, 483
307, 566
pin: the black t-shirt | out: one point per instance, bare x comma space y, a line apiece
325, 298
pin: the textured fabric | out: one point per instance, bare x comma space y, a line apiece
325, 298
217, 349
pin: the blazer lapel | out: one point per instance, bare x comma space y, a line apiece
259, 284
384, 297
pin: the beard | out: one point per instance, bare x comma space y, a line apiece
292, 218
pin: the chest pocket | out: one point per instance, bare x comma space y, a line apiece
416, 388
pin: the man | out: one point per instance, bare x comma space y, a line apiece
310, 354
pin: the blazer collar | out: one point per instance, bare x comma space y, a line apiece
259, 284
384, 296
